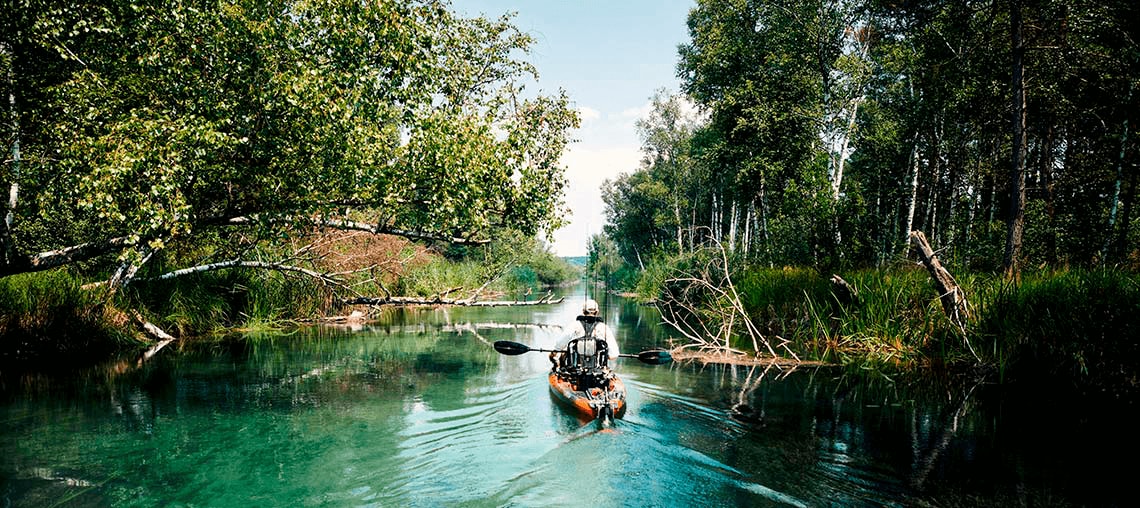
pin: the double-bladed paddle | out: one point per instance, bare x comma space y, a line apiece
652, 356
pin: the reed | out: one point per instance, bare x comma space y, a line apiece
48, 316
1068, 323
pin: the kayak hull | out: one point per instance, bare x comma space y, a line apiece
590, 404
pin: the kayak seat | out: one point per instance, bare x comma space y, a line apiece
586, 363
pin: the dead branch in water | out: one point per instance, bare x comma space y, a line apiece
439, 300
704, 306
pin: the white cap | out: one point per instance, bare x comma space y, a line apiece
590, 307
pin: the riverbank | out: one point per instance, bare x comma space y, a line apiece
63, 317
1075, 326
1072, 325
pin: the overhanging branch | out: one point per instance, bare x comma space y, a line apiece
463, 302
55, 258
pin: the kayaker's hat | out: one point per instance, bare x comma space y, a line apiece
590, 307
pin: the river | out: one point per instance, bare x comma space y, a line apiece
418, 410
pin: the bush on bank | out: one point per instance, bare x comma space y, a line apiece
50, 315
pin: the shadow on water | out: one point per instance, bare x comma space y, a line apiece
419, 410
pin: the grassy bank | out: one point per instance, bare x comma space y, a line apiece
49, 316
1069, 326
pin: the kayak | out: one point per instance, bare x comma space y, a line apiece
592, 403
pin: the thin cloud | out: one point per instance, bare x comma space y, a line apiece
588, 114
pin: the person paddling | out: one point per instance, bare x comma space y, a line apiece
588, 325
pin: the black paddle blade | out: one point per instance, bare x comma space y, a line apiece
655, 357
510, 348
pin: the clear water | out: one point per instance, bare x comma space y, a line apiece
419, 410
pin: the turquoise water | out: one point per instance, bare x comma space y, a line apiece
419, 410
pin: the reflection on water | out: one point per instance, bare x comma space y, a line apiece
418, 410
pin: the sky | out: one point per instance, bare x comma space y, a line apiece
610, 57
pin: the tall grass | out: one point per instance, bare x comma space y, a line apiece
893, 318
47, 316
1075, 324
440, 275
1067, 323
248, 299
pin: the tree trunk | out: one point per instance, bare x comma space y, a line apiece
1016, 220
60, 257
837, 181
1048, 183
913, 193
1104, 251
6, 242
680, 227
764, 221
732, 217
749, 219
1126, 214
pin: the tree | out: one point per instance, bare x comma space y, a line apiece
148, 127
666, 139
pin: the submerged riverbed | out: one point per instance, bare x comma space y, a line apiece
419, 410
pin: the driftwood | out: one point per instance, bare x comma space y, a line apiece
952, 297
438, 300
164, 339
712, 327
844, 292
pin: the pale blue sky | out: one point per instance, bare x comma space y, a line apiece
610, 57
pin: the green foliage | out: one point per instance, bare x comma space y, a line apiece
836, 128
158, 123
517, 263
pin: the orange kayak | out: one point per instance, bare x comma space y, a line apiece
592, 403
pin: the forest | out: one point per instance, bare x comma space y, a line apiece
814, 138
827, 131
195, 167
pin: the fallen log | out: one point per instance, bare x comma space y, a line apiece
463, 302
953, 299
164, 339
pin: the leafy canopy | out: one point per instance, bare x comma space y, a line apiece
160, 120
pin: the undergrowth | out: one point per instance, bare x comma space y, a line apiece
1077, 325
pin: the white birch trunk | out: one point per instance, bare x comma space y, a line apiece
913, 194
732, 217
1116, 189
837, 181
14, 187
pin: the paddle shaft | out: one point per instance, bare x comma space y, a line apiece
655, 357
